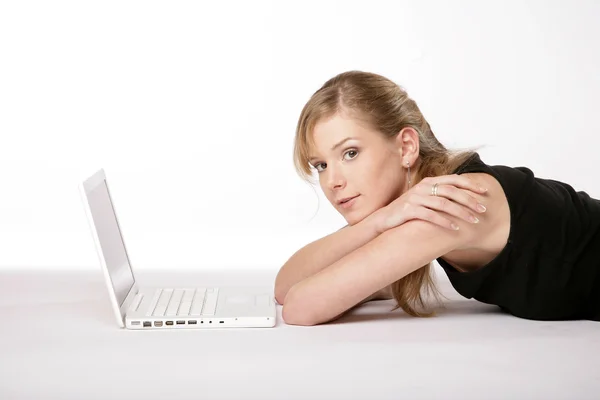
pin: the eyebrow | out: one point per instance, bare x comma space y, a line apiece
335, 146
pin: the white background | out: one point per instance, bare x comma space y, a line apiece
191, 107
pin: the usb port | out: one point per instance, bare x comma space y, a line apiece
135, 322
180, 322
147, 324
169, 322
158, 323
192, 322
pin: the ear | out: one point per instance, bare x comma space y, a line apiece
407, 143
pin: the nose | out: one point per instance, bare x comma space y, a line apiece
335, 180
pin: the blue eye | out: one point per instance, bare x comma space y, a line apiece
347, 152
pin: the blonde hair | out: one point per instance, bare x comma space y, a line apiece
386, 107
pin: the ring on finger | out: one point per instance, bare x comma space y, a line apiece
434, 189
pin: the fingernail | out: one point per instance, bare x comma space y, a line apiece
474, 219
455, 227
483, 189
481, 208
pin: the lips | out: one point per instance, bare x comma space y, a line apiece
344, 200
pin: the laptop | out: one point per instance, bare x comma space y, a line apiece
146, 308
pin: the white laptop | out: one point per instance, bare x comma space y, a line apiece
142, 308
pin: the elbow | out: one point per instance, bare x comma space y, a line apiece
279, 297
292, 317
280, 291
294, 313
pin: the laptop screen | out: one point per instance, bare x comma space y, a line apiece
111, 242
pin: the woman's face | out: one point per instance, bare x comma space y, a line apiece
355, 161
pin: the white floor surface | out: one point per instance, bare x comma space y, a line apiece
59, 340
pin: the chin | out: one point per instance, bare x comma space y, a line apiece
355, 216
355, 219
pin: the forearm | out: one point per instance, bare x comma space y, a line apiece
321, 253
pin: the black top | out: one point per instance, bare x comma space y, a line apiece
550, 266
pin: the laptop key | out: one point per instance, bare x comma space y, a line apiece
198, 301
152, 305
174, 303
210, 305
135, 303
163, 301
186, 302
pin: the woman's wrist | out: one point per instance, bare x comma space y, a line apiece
374, 223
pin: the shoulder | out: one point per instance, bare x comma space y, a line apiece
495, 194
493, 229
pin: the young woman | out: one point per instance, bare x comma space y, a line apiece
408, 201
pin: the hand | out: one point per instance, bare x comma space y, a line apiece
453, 197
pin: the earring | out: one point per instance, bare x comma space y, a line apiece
408, 166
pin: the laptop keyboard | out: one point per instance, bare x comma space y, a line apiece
183, 302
